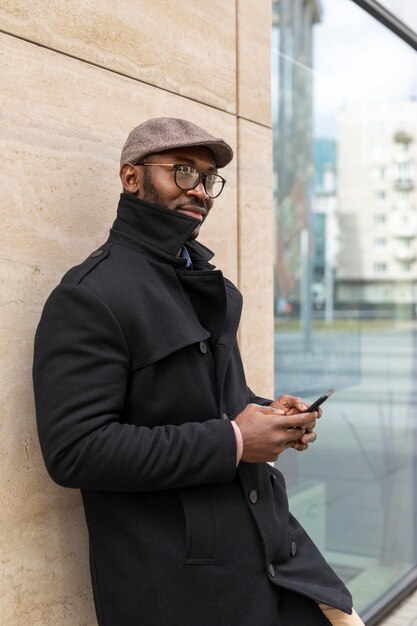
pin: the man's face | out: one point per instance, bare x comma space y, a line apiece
157, 184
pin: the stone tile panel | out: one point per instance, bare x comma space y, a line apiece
254, 24
255, 253
186, 47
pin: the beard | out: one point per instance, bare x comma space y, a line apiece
151, 194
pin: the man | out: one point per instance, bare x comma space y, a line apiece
142, 403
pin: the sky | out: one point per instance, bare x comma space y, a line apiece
357, 60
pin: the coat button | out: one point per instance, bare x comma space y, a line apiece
272, 570
96, 253
253, 496
203, 347
225, 416
293, 548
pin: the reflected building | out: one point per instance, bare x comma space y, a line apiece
292, 115
325, 226
377, 204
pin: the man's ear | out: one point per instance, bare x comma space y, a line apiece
129, 176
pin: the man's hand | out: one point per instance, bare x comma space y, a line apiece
269, 430
293, 405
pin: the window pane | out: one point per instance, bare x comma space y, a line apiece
345, 167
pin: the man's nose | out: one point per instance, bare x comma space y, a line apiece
198, 191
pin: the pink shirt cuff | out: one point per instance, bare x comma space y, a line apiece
239, 442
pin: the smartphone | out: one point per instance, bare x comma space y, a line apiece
319, 401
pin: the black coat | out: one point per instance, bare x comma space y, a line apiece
137, 374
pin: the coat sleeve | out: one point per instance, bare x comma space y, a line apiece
81, 368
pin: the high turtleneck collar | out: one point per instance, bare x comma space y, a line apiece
154, 227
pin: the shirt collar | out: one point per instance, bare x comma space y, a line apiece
186, 255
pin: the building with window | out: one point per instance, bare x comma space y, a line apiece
377, 207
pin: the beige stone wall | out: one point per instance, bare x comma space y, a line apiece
75, 78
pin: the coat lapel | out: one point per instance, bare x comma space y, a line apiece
218, 305
207, 295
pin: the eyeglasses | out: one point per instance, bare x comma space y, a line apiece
187, 177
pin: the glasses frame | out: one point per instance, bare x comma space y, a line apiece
202, 176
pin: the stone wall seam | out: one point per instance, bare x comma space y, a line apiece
113, 71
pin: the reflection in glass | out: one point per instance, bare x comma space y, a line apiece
345, 198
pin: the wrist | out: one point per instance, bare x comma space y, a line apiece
239, 442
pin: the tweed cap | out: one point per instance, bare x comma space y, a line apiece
167, 133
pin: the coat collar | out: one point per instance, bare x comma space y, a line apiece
160, 231
211, 310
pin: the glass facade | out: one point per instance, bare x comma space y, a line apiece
344, 97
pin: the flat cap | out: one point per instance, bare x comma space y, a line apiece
167, 133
